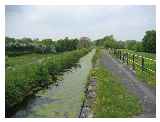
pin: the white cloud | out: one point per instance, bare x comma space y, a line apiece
125, 22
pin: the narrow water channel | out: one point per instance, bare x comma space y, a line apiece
64, 99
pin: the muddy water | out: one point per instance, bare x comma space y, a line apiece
63, 99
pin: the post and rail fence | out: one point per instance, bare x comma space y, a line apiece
144, 67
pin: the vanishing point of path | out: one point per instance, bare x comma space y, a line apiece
146, 95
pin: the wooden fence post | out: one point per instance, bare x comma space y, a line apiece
142, 64
120, 55
116, 53
133, 65
123, 57
127, 58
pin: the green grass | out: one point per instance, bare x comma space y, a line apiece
96, 57
113, 99
16, 61
26, 74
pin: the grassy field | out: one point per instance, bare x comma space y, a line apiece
28, 73
147, 55
25, 59
113, 100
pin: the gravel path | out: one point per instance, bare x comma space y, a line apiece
146, 95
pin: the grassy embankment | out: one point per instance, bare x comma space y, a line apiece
28, 73
113, 99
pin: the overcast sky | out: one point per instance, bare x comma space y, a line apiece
124, 22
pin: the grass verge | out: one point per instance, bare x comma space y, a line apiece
96, 57
113, 100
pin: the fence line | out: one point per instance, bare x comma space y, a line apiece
142, 56
144, 66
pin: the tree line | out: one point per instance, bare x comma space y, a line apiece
147, 44
15, 46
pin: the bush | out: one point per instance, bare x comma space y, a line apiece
42, 75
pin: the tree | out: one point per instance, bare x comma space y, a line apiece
139, 47
120, 44
27, 45
17, 45
66, 44
49, 46
9, 43
131, 44
149, 41
110, 42
100, 42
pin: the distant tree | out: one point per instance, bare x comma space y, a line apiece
131, 44
149, 41
9, 43
48, 46
24, 44
120, 44
139, 47
100, 42
110, 42
74, 44
27, 45
26, 40
66, 44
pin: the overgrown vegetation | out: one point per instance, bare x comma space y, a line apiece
30, 75
113, 99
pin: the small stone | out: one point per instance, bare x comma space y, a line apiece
89, 88
93, 80
90, 115
93, 83
92, 94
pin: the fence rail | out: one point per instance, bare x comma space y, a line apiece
145, 67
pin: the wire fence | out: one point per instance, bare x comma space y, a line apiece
144, 67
